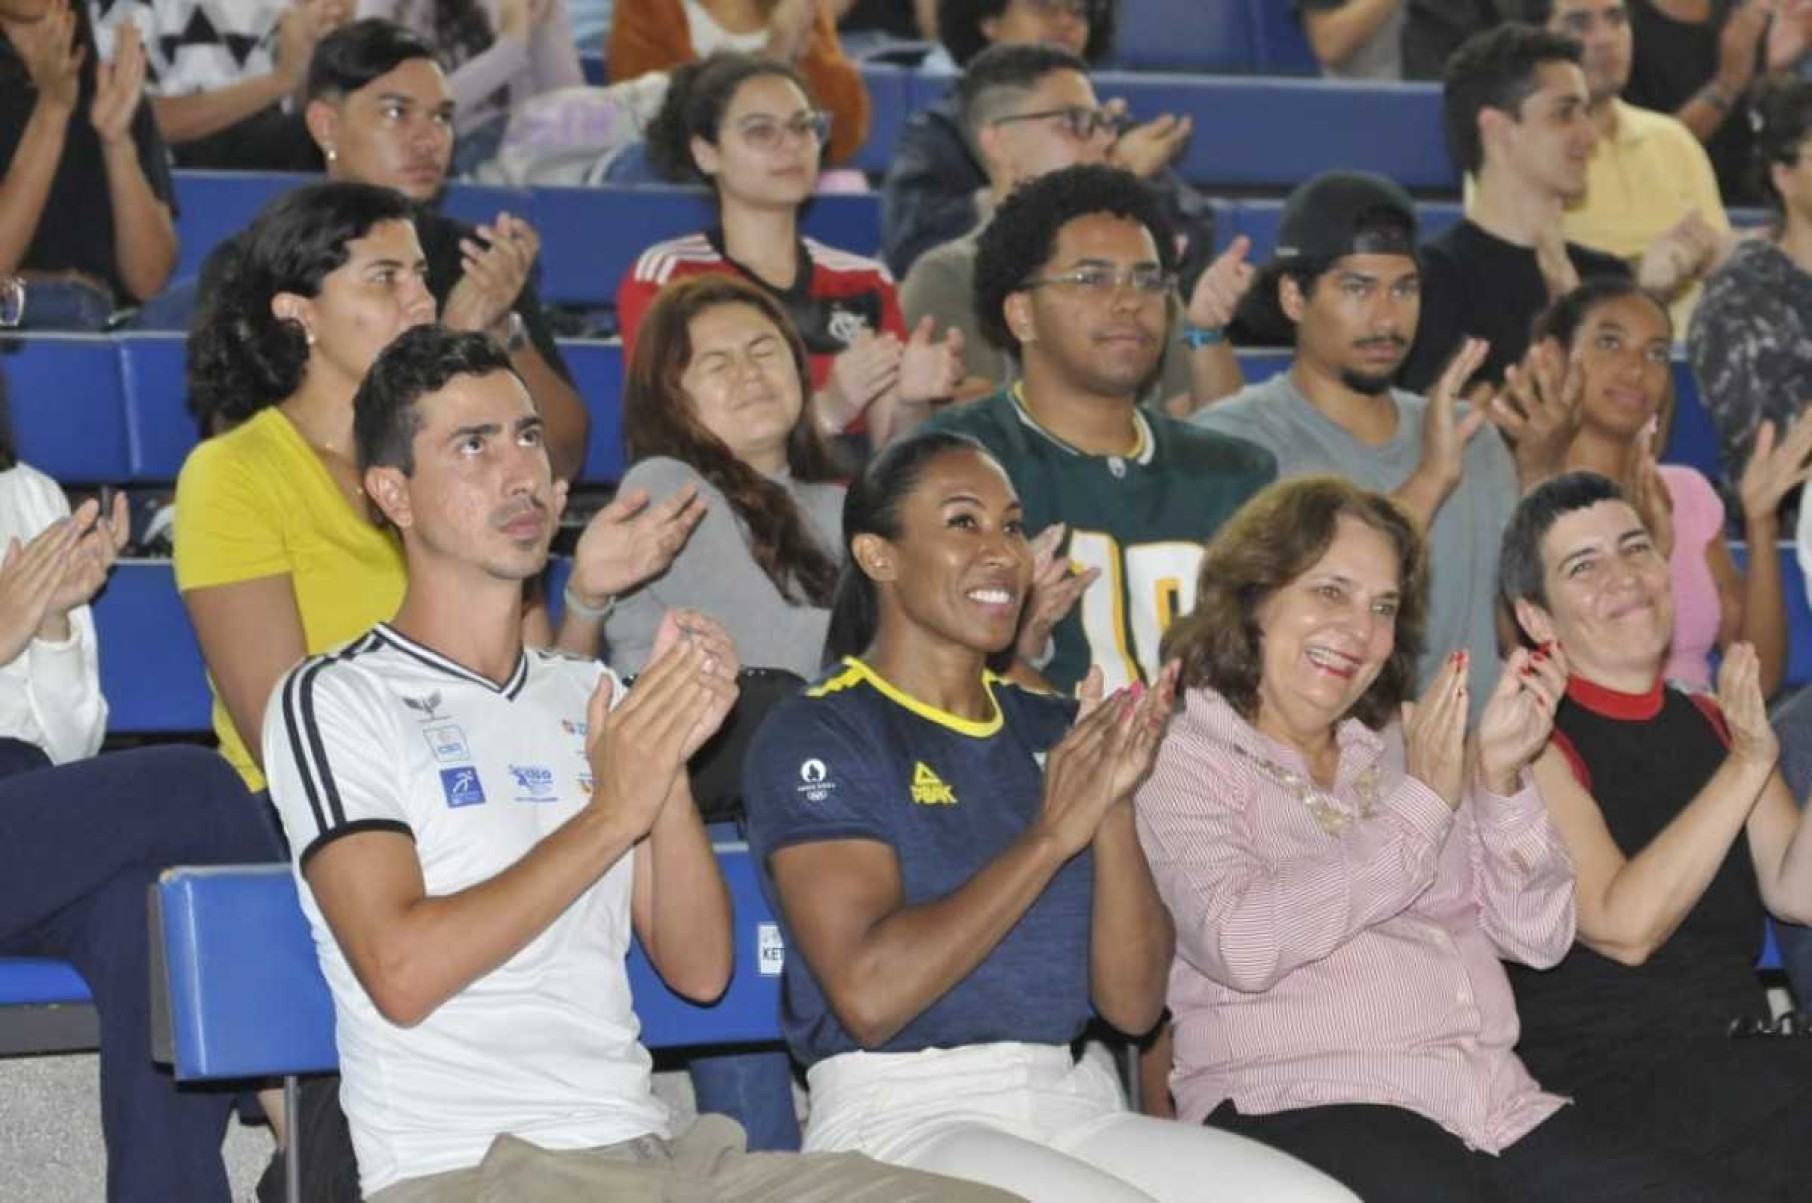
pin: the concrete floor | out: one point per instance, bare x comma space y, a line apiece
50, 1131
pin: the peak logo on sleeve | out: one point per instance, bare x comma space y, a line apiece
928, 789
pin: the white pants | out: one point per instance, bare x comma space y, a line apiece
1025, 1118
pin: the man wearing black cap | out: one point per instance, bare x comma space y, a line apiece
1345, 276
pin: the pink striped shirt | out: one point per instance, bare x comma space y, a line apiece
1354, 968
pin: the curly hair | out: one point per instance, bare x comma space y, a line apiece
659, 420
698, 95
959, 25
1022, 236
1276, 537
420, 361
243, 358
1494, 70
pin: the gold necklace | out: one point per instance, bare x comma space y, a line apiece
1319, 802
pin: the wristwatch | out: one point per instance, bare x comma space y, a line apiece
515, 336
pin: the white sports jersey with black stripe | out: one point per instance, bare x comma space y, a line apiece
386, 735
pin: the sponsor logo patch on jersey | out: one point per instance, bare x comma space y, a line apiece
461, 786
448, 742
928, 789
770, 950
815, 781
424, 706
534, 782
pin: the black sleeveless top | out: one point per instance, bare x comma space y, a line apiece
1644, 757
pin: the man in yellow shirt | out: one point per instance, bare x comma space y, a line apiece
1651, 197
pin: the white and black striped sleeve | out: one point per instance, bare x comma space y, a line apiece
331, 755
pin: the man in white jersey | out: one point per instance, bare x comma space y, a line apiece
478, 828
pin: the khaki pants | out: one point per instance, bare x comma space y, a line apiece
706, 1165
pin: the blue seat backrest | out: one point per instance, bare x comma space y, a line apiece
1278, 43
152, 673
158, 423
246, 997
1186, 35
212, 206
891, 99
597, 371
1799, 611
68, 408
1262, 365
37, 982
1262, 133
1693, 440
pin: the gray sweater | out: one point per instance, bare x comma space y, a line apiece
715, 573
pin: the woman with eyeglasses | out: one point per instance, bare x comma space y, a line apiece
662, 35
1619, 342
747, 127
955, 867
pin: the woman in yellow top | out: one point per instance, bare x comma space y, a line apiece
277, 555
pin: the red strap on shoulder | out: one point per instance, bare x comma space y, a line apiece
1708, 706
1575, 761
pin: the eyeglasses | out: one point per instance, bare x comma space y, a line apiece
767, 133
1146, 279
1078, 122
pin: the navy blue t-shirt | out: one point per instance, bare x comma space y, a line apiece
854, 758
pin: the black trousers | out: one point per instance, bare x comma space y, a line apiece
1391, 1155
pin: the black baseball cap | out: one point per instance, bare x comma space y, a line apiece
1322, 219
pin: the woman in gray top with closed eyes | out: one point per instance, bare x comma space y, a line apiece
714, 401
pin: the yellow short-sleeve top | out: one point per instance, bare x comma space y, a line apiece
258, 502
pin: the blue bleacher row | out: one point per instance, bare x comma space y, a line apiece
95, 409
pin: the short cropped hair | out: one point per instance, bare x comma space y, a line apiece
1494, 70
421, 361
1022, 236
1000, 75
1521, 575
358, 52
1274, 538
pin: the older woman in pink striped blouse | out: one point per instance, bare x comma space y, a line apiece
1346, 873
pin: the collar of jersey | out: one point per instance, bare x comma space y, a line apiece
856, 670
1141, 454
434, 659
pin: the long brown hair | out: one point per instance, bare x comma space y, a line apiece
658, 420
1275, 538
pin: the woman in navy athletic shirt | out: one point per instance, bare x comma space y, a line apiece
954, 863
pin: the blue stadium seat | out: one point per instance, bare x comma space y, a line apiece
214, 205
1187, 35
1279, 47
151, 668
158, 423
1693, 440
1260, 365
892, 96
68, 409
1271, 134
1799, 612
238, 992
36, 982
597, 370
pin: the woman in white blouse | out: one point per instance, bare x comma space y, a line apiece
86, 834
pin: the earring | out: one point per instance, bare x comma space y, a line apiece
332, 154
309, 337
